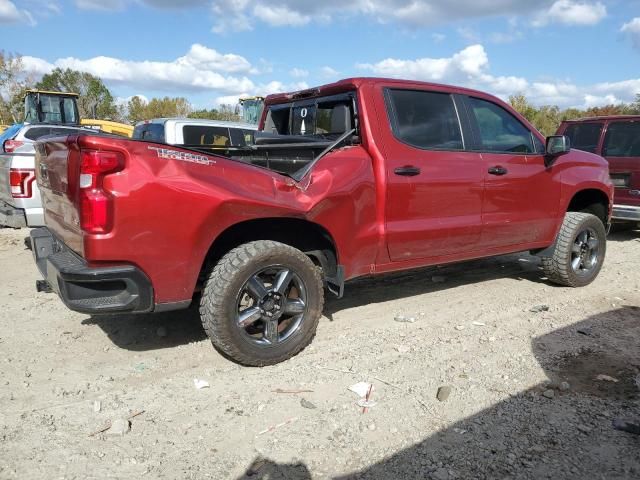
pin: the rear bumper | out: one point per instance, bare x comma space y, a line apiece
626, 212
90, 290
11, 216
35, 217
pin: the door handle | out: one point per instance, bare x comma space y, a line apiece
407, 171
498, 171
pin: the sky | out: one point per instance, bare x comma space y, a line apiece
570, 53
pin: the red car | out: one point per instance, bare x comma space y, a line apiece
616, 138
360, 177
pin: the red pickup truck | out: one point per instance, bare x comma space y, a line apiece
617, 139
359, 177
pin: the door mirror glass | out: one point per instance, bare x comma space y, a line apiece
558, 145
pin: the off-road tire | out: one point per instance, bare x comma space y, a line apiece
219, 301
557, 267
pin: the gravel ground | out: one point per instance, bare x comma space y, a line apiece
533, 394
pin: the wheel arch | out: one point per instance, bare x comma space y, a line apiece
591, 200
311, 238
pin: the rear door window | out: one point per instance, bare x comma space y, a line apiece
37, 132
206, 135
584, 136
499, 130
151, 132
622, 139
241, 137
426, 120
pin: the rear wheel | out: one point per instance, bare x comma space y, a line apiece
579, 251
262, 303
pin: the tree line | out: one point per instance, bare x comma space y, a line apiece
547, 118
95, 99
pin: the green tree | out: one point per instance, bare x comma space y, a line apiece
139, 109
136, 109
168, 107
523, 107
13, 84
636, 104
95, 99
225, 112
547, 119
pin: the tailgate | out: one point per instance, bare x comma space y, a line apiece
625, 175
56, 170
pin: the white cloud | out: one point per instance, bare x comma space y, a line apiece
470, 67
599, 101
298, 72
9, 13
231, 16
173, 4
279, 16
468, 62
412, 13
102, 5
328, 72
438, 37
572, 12
201, 69
506, 37
632, 30
262, 90
241, 15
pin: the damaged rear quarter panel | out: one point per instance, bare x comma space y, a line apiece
169, 212
338, 194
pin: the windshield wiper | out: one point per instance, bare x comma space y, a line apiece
299, 175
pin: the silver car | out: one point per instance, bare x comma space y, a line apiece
20, 204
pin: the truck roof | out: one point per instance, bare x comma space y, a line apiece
603, 118
356, 82
200, 122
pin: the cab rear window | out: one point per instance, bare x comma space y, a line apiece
322, 116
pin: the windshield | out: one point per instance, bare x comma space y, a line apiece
252, 110
323, 116
43, 108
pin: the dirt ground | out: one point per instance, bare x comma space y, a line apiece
533, 393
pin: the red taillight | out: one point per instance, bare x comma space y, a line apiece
11, 145
21, 181
96, 204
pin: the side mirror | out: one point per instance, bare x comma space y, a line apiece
557, 145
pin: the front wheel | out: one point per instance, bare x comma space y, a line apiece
262, 303
579, 251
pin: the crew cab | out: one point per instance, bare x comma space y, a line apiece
617, 139
20, 204
359, 177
